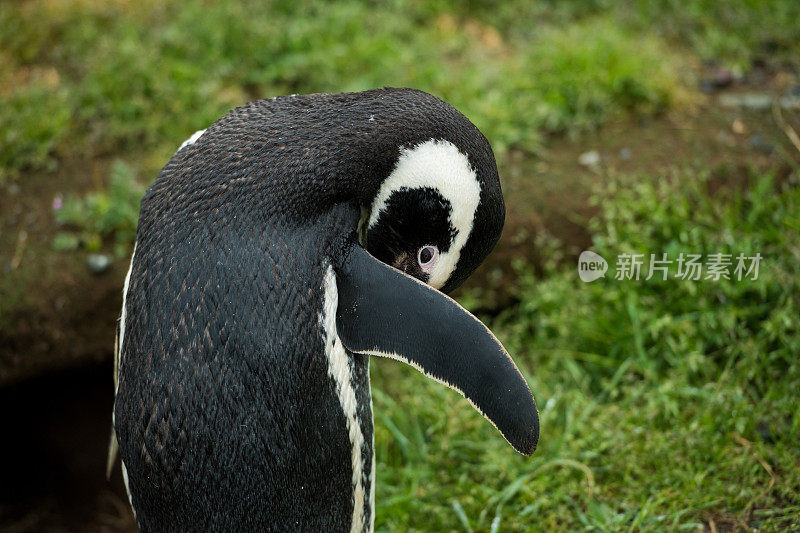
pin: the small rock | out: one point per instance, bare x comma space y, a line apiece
98, 263
625, 154
791, 102
721, 78
590, 158
755, 101
13, 189
707, 86
738, 127
757, 142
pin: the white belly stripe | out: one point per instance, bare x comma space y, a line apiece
339, 370
118, 363
372, 474
118, 355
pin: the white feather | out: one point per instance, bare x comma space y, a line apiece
339, 370
439, 165
191, 140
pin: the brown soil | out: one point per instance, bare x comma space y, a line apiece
53, 312
57, 319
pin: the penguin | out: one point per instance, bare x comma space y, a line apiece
276, 252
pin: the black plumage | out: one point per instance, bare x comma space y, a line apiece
226, 414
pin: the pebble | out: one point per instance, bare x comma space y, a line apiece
625, 154
757, 101
791, 101
98, 263
719, 79
590, 158
757, 142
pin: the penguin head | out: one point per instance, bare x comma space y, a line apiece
439, 211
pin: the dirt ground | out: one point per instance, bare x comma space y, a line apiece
57, 319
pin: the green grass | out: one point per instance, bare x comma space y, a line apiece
84, 78
664, 404
733, 33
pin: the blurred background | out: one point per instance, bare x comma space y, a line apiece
620, 127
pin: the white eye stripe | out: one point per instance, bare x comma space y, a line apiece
439, 165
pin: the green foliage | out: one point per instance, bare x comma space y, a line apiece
32, 124
660, 401
144, 76
109, 215
655, 323
735, 33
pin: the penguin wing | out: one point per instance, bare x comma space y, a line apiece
384, 312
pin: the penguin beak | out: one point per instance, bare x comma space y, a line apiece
384, 312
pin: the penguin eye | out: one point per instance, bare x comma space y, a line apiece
427, 256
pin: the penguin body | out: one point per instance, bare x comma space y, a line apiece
252, 306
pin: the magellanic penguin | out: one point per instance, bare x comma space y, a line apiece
276, 252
